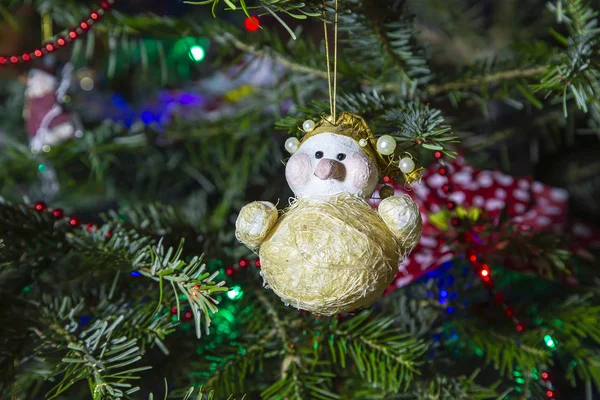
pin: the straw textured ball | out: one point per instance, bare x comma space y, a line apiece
330, 256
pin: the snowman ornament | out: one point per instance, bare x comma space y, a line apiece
330, 252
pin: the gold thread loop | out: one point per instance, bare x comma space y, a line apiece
332, 91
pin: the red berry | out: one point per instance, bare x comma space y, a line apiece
442, 171
173, 310
40, 206
58, 213
188, 315
447, 188
451, 205
438, 154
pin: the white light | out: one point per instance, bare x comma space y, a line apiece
86, 83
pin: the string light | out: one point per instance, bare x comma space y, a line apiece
252, 23
243, 263
235, 293
549, 341
83, 26
197, 53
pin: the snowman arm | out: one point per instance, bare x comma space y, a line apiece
402, 217
255, 222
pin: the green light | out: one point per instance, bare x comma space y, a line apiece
549, 341
42, 168
235, 293
197, 53
520, 380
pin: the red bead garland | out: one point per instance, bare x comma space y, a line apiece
74, 33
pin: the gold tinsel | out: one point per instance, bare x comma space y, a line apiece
330, 255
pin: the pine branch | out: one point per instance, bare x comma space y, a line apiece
99, 353
481, 80
380, 353
505, 352
162, 265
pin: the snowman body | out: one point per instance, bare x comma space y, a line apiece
329, 255
330, 251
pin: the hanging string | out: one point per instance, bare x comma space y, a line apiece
332, 90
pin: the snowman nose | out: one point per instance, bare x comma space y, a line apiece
329, 169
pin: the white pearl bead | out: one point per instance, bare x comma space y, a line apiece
407, 165
308, 125
362, 142
292, 144
386, 145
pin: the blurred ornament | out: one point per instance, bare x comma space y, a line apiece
531, 206
46, 122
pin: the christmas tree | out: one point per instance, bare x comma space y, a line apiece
134, 133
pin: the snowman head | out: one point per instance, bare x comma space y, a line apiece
335, 159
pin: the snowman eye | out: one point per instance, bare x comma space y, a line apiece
319, 154
341, 157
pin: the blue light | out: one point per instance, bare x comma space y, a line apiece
118, 101
188, 99
450, 310
135, 273
147, 117
443, 301
428, 294
84, 320
443, 293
